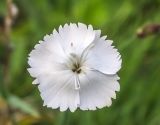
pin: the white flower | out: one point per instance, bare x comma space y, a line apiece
75, 67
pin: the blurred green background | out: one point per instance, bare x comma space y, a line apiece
138, 102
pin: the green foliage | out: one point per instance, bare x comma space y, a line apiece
18, 103
138, 101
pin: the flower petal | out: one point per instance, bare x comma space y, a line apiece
97, 89
75, 38
46, 52
35, 82
104, 57
46, 57
59, 92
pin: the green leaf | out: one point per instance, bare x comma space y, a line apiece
18, 103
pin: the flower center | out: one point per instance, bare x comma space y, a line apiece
75, 63
76, 68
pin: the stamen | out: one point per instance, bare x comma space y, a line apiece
78, 70
77, 101
75, 63
77, 83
